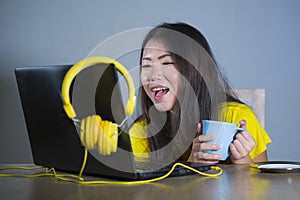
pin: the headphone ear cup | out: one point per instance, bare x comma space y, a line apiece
90, 128
95, 129
82, 132
96, 133
108, 140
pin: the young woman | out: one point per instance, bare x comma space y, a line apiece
181, 86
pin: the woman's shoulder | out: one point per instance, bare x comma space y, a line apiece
137, 129
237, 107
139, 122
235, 111
138, 138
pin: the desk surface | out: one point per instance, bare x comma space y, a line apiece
236, 182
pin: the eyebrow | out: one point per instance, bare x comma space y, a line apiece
159, 58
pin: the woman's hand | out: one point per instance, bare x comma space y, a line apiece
239, 148
200, 147
242, 146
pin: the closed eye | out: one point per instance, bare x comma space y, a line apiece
146, 66
168, 63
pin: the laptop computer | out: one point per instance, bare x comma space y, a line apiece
53, 136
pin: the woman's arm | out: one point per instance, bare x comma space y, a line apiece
263, 157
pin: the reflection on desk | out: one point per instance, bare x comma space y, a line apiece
236, 182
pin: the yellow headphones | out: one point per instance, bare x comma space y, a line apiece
96, 133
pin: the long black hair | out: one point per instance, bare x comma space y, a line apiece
203, 88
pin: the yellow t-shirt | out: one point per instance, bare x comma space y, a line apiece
138, 140
231, 112
234, 112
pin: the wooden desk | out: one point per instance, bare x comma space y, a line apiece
236, 182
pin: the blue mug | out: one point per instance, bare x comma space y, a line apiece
223, 133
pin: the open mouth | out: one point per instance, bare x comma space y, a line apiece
159, 92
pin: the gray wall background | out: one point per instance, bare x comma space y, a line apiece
257, 42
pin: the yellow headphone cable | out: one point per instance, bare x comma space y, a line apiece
79, 179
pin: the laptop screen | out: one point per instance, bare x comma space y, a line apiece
53, 137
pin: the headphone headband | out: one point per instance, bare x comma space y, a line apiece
88, 62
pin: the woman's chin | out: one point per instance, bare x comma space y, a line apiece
162, 107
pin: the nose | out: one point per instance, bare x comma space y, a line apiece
156, 72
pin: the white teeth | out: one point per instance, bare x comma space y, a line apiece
158, 89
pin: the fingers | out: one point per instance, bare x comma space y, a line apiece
205, 138
243, 124
243, 143
199, 128
244, 140
237, 150
200, 148
209, 147
202, 157
206, 157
